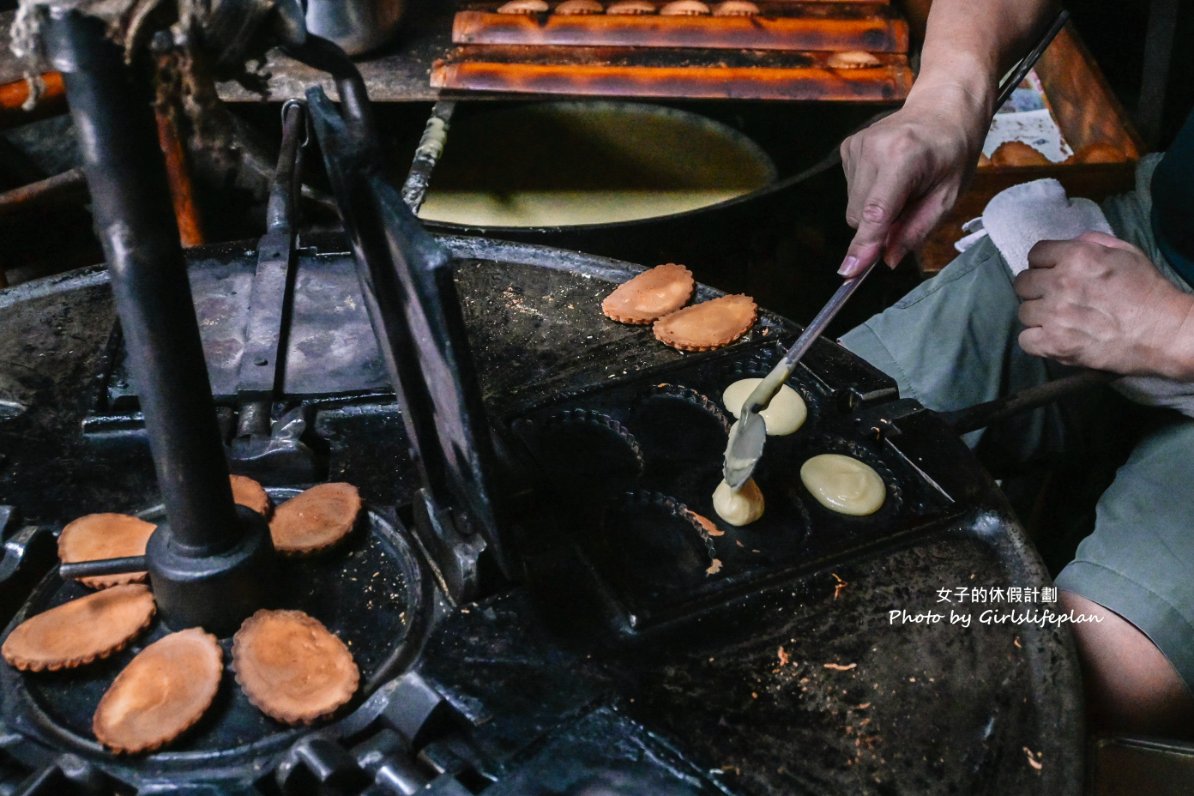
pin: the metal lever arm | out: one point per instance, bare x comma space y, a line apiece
407, 284
325, 56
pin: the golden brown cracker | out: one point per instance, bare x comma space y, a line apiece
292, 667
315, 519
250, 494
80, 631
163, 691
650, 295
98, 536
708, 325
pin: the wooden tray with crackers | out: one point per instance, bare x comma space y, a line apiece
829, 50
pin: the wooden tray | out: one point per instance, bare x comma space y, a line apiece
1087, 112
662, 73
779, 26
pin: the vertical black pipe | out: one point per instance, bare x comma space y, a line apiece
132, 210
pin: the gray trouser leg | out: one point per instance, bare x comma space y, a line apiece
951, 343
1139, 560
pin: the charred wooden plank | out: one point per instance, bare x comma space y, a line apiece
698, 74
803, 26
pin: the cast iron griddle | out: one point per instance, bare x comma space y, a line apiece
605, 670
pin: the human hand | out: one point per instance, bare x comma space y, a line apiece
905, 171
1099, 302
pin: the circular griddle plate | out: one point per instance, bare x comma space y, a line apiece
781, 673
369, 590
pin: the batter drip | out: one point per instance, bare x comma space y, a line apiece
740, 506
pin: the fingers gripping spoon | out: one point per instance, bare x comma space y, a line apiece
749, 433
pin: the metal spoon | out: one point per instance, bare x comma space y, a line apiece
748, 435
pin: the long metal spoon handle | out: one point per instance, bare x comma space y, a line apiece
1013, 78
769, 386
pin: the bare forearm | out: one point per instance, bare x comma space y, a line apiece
971, 43
906, 171
1178, 362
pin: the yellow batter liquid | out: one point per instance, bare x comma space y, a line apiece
844, 484
740, 506
566, 164
784, 415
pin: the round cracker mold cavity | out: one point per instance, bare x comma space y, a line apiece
676, 423
656, 545
784, 415
584, 450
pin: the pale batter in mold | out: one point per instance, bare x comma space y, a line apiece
740, 506
843, 484
785, 415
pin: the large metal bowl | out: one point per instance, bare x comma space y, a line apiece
358, 26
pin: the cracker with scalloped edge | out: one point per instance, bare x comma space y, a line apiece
161, 694
650, 295
80, 631
292, 667
708, 325
250, 494
315, 519
94, 537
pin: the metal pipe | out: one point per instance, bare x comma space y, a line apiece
44, 193
132, 209
14, 99
325, 56
283, 195
1154, 81
102, 566
182, 188
260, 368
427, 154
972, 418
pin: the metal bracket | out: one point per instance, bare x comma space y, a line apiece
408, 287
260, 447
28, 553
419, 745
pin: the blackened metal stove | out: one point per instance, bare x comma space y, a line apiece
694, 697
532, 608
210, 564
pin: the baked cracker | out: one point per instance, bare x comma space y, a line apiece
684, 8
735, 8
650, 295
160, 695
250, 494
98, 536
708, 325
292, 667
578, 8
630, 8
315, 519
852, 59
80, 631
